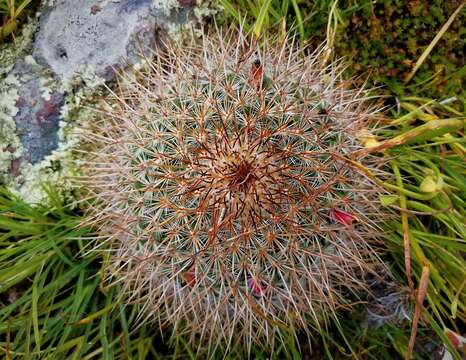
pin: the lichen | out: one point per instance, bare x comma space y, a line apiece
166, 6
29, 185
10, 52
47, 83
202, 10
10, 145
49, 2
205, 9
85, 77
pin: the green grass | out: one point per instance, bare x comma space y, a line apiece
431, 167
430, 220
53, 303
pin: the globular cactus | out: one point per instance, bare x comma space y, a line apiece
231, 188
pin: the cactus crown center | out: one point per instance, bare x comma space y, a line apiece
240, 175
239, 178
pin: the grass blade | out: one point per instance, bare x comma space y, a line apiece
263, 13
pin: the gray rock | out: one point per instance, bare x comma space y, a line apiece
86, 32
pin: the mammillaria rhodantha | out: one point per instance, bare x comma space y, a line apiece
228, 183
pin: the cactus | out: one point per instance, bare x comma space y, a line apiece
226, 183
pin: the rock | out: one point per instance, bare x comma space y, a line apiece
38, 116
81, 33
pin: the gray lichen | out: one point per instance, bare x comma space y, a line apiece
166, 6
178, 30
10, 145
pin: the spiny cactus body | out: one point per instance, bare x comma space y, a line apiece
226, 183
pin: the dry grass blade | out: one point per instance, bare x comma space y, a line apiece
421, 293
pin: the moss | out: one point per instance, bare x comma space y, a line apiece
391, 38
387, 40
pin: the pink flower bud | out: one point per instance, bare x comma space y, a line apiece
255, 286
342, 217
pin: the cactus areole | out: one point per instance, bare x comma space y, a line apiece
225, 185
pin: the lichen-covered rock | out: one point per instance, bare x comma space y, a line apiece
22, 45
76, 49
37, 119
75, 33
10, 144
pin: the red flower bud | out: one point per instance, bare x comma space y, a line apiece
190, 276
456, 340
342, 217
257, 72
